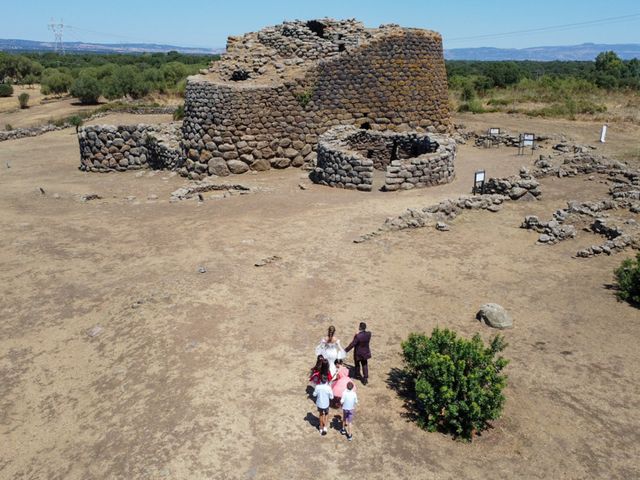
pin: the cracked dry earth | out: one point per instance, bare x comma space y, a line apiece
203, 375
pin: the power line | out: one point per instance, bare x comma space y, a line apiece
567, 26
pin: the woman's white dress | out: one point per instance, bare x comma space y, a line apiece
332, 352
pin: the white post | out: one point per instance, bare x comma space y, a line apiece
603, 134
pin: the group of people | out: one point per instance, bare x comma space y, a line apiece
331, 380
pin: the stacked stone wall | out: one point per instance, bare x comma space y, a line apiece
105, 148
395, 81
426, 170
347, 157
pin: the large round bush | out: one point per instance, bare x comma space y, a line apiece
5, 90
457, 382
628, 277
86, 89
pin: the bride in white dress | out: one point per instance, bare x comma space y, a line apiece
331, 349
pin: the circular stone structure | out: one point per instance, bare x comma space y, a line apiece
348, 156
274, 92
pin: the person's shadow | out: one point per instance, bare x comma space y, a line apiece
312, 420
336, 423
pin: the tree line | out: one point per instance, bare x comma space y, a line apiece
608, 71
89, 76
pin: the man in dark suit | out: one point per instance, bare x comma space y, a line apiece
361, 352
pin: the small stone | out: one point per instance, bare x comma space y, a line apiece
152, 196
90, 196
95, 331
544, 238
302, 186
442, 227
202, 269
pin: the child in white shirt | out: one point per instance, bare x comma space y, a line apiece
348, 401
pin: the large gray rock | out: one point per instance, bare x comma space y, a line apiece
495, 316
237, 166
280, 162
261, 165
217, 166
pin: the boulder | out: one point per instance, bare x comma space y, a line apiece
217, 166
237, 166
527, 197
261, 165
495, 316
280, 162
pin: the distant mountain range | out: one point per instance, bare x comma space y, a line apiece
586, 52
15, 45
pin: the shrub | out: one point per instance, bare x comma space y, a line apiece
8, 127
23, 100
457, 382
499, 102
468, 92
86, 89
6, 90
56, 82
178, 113
473, 106
628, 278
75, 121
126, 80
304, 97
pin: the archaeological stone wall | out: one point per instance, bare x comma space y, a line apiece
387, 78
348, 156
105, 148
435, 167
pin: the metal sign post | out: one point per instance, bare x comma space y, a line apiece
478, 182
526, 140
492, 137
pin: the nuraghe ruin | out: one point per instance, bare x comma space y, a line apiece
268, 100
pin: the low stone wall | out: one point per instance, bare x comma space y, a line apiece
339, 166
347, 157
425, 170
29, 132
106, 148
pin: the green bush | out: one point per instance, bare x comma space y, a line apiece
86, 89
55, 82
499, 102
468, 92
628, 278
23, 100
75, 121
126, 81
473, 106
457, 382
178, 113
8, 127
6, 90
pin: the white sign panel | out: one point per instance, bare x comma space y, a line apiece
494, 131
479, 176
528, 139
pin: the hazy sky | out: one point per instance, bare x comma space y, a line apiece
202, 23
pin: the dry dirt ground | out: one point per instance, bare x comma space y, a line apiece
203, 375
39, 111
